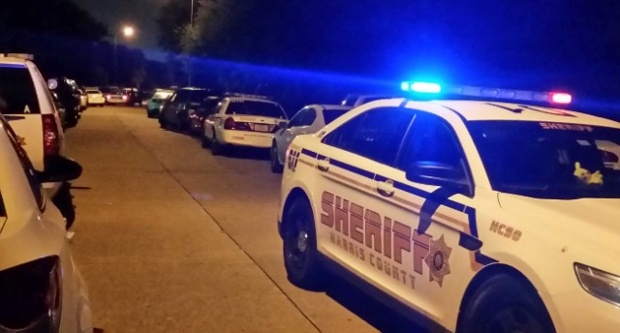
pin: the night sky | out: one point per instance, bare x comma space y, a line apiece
558, 41
115, 13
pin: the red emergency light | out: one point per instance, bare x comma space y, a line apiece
561, 98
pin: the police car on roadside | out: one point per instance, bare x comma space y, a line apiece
41, 288
27, 103
242, 120
476, 215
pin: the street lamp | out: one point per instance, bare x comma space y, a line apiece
127, 32
189, 61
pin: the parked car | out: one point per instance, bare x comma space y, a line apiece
95, 97
41, 288
175, 110
27, 102
156, 102
489, 215
114, 96
197, 114
69, 97
354, 100
83, 99
309, 119
242, 121
133, 96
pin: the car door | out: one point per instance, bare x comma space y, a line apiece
350, 215
432, 252
299, 124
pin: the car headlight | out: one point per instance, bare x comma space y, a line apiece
601, 284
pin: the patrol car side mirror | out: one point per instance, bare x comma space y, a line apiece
58, 169
439, 174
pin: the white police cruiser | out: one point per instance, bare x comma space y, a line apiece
480, 216
242, 120
41, 288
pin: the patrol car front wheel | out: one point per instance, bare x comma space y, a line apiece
299, 247
276, 167
504, 305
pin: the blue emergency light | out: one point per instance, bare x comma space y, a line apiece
421, 87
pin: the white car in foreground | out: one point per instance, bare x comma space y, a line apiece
41, 289
309, 119
242, 121
478, 216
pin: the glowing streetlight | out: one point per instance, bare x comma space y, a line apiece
128, 31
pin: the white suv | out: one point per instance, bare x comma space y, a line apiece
242, 121
480, 216
41, 289
28, 105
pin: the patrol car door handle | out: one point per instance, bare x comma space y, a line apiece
323, 165
386, 188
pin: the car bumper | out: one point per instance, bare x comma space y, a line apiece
249, 139
578, 311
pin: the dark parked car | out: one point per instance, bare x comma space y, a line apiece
69, 97
185, 101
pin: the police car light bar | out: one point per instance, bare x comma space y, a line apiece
561, 98
511, 94
421, 87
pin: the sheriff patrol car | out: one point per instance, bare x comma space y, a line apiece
478, 215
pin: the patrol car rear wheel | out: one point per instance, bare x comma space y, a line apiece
276, 167
216, 147
299, 247
503, 304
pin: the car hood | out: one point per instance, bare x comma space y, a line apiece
589, 217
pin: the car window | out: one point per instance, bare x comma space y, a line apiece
330, 115
17, 91
375, 134
549, 160
255, 108
299, 119
431, 141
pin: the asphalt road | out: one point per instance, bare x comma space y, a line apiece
172, 239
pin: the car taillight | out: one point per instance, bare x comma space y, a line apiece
31, 296
124, 97
51, 137
231, 124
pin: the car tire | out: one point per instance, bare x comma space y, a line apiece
503, 304
204, 141
301, 258
276, 167
216, 147
162, 122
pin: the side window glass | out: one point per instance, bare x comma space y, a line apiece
375, 134
297, 119
309, 118
432, 142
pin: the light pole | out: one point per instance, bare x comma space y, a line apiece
128, 32
191, 29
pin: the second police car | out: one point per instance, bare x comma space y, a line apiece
480, 216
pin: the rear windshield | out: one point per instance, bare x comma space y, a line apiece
255, 108
331, 115
17, 92
93, 91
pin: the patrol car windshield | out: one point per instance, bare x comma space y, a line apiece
550, 160
17, 92
255, 108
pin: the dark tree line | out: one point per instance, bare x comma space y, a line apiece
570, 44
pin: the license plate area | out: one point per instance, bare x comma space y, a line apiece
261, 128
